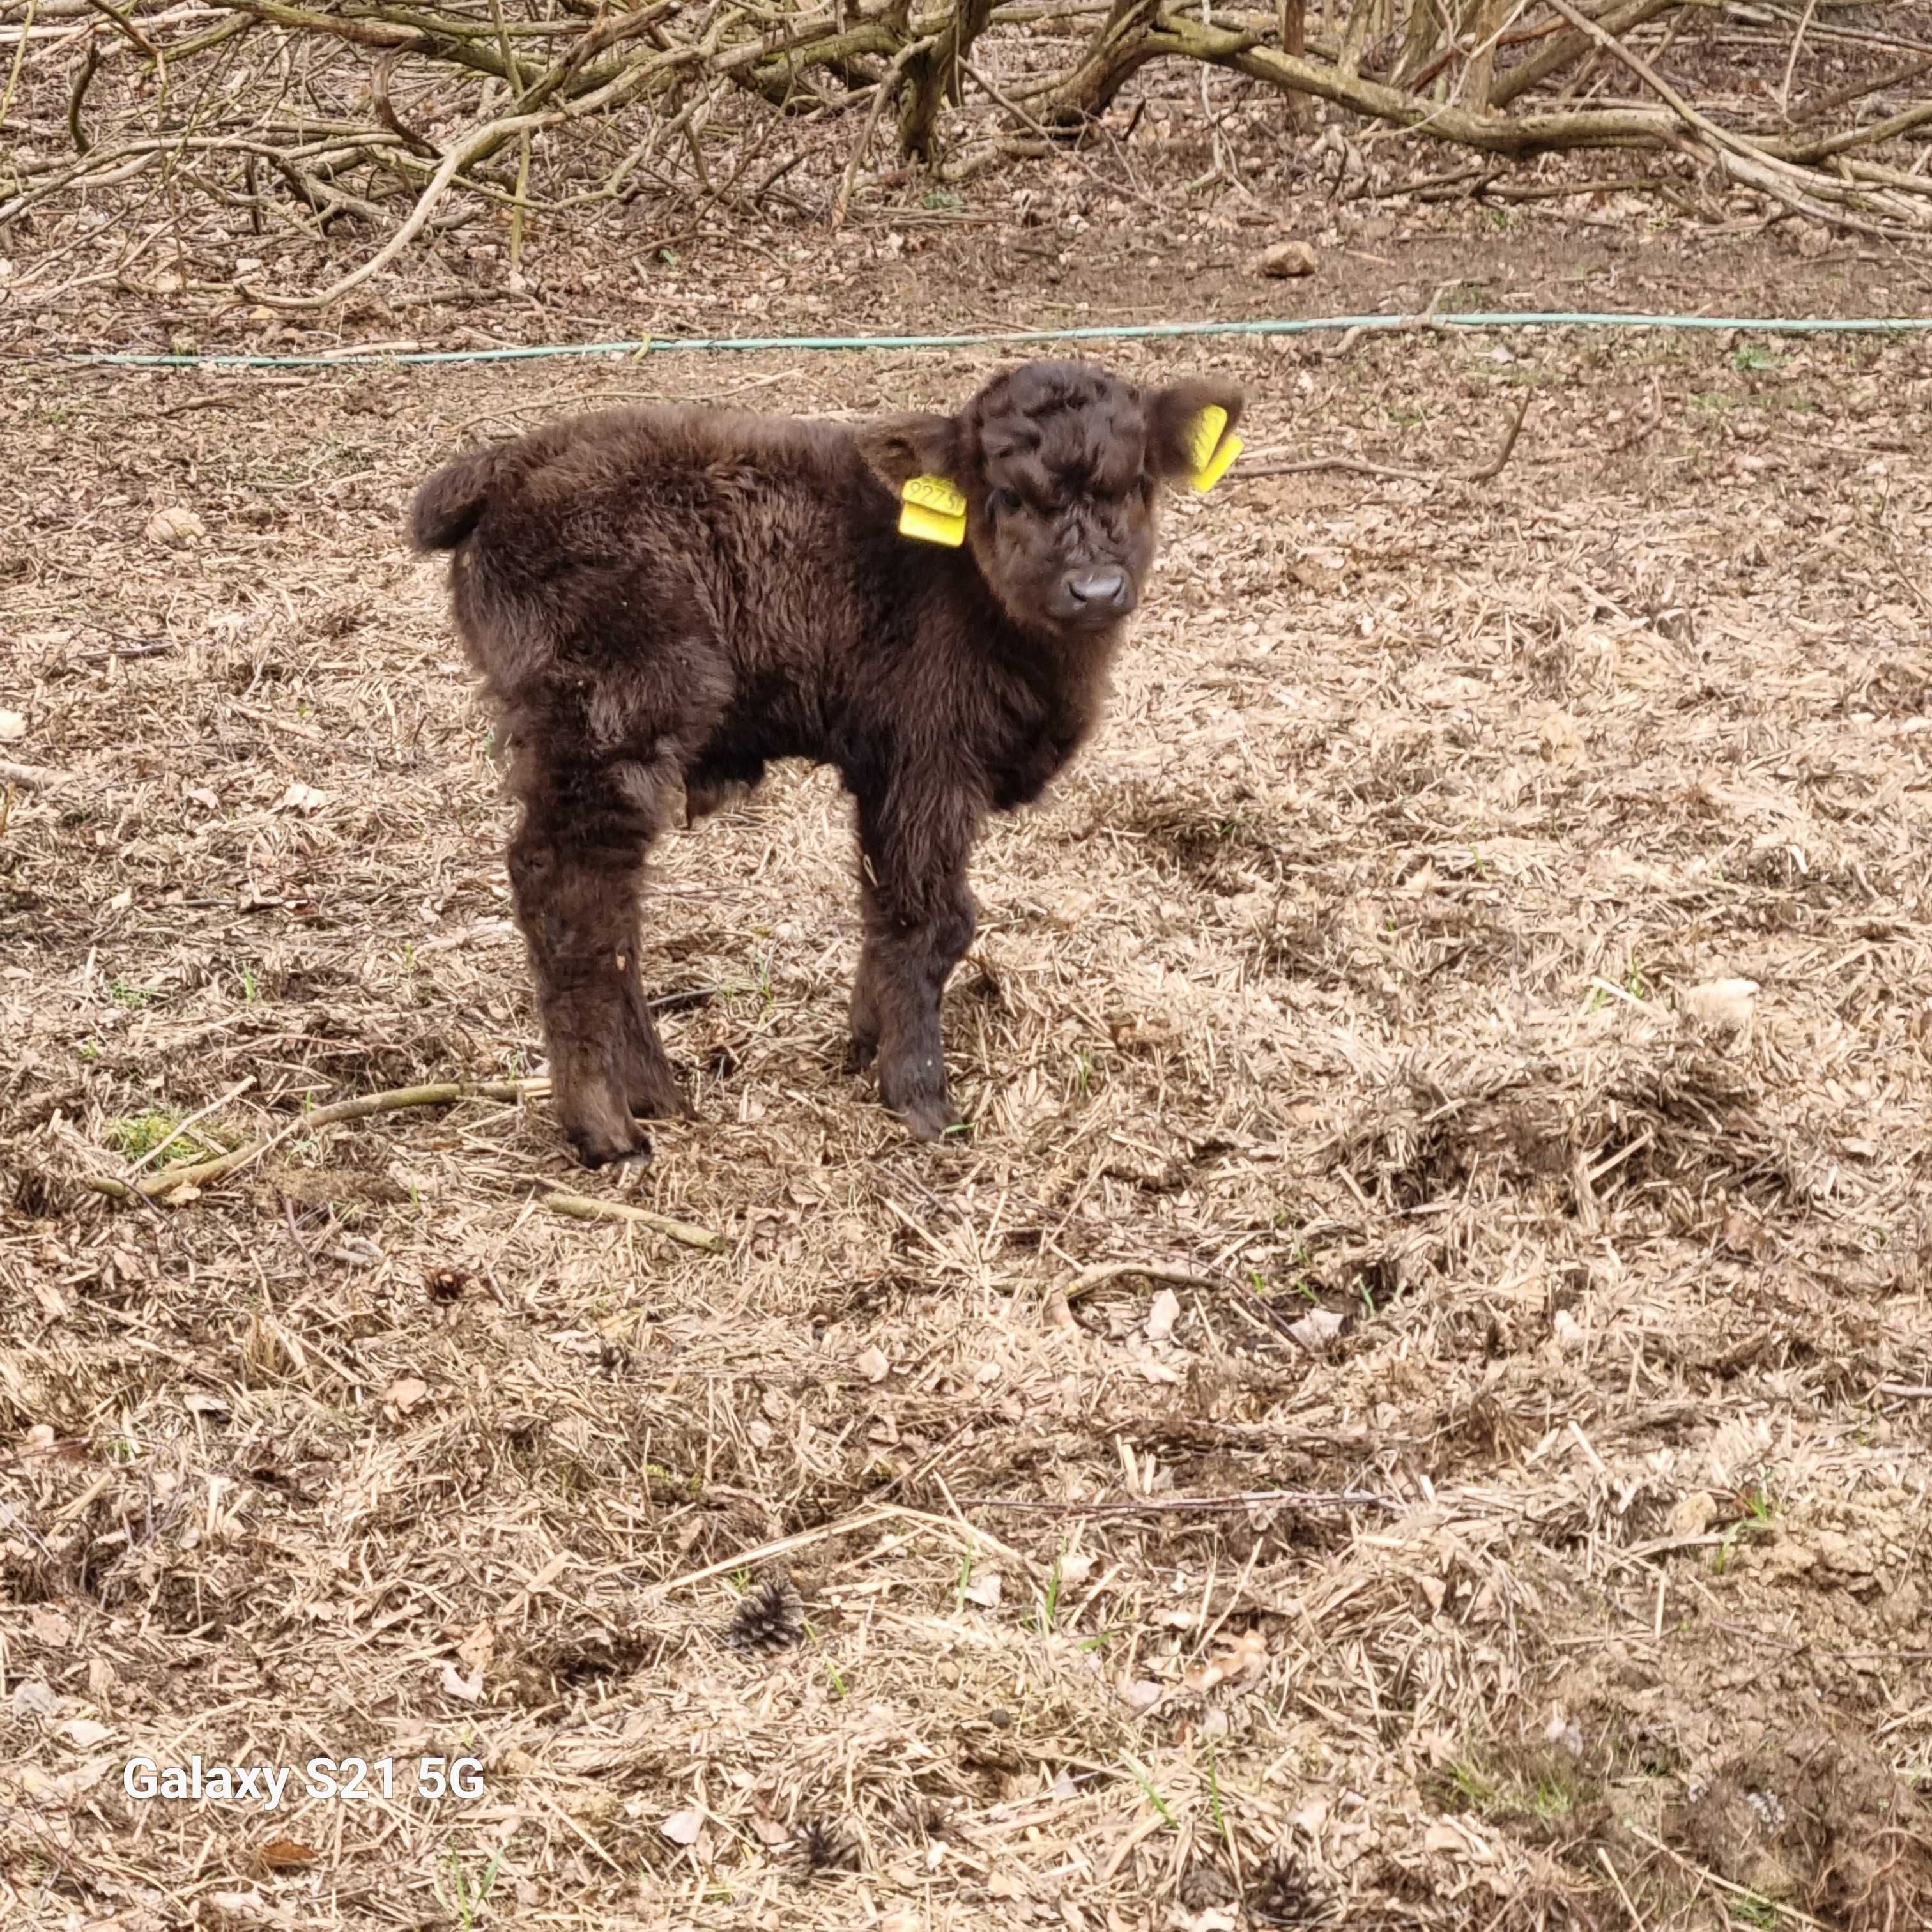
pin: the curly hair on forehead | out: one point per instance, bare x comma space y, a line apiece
660, 602
1043, 400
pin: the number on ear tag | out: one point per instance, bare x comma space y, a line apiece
932, 510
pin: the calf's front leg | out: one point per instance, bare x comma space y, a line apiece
920, 920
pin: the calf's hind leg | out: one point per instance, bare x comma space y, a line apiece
576, 872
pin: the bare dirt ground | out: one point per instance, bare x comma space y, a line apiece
1372, 981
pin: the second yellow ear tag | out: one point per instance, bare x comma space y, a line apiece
933, 511
1209, 450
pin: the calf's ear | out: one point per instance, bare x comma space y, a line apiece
897, 449
1176, 428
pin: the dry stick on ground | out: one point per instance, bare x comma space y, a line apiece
1237, 1499
479, 143
77, 95
1089, 1278
1637, 1917
33, 778
1175, 35
1170, 35
203, 1173
1791, 65
589, 1207
865, 1518
1487, 184
1849, 97
200, 1114
386, 111
1724, 1885
19, 61
1566, 49
166, 1185
1355, 466
887, 86
127, 26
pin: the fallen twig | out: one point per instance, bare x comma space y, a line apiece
888, 85
1013, 108
1747, 161
1239, 1499
127, 26
559, 71
1494, 467
1847, 97
477, 145
90, 65
1724, 1885
386, 111
864, 1518
169, 1186
200, 1114
1630, 1904
33, 778
590, 1208
1091, 1278
1484, 472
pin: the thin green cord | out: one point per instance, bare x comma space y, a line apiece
1890, 325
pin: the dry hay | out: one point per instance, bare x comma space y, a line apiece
1349, 984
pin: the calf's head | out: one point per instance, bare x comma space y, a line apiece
1060, 465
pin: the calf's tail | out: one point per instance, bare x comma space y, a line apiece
448, 506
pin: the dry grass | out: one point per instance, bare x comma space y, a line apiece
1347, 975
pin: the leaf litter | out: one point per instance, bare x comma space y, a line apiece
1487, 954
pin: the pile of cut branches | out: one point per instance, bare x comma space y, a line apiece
405, 120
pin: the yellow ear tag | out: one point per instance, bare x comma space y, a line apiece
1209, 449
932, 511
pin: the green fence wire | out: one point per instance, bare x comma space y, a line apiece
1146, 331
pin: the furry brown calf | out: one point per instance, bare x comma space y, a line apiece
664, 600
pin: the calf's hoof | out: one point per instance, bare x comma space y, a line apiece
595, 1152
649, 1083
601, 1132
927, 1119
914, 1088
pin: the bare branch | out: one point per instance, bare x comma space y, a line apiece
397, 166
385, 112
127, 26
481, 142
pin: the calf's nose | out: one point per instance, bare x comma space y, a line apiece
1101, 590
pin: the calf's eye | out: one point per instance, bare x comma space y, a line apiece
1002, 503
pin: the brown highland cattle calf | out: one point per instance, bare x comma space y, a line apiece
666, 599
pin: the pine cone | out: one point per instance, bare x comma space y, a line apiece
824, 1847
1282, 1895
445, 1284
1205, 1884
771, 1617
